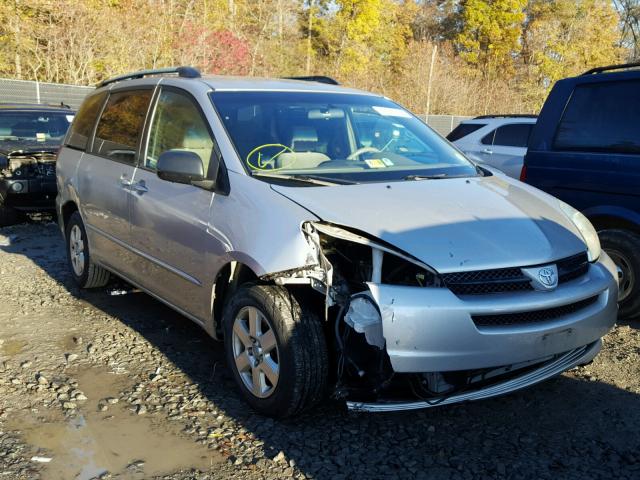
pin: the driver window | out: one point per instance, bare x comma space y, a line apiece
178, 125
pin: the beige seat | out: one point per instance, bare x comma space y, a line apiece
307, 150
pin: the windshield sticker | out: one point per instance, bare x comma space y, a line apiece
392, 112
70, 118
41, 137
260, 159
375, 163
387, 162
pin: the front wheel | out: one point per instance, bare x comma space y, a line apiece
624, 249
276, 350
85, 272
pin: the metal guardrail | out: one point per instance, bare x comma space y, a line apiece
25, 91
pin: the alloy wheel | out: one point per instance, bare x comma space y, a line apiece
255, 352
76, 250
626, 276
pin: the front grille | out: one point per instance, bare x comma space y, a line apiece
534, 316
501, 280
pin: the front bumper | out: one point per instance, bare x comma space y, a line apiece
545, 371
29, 193
432, 330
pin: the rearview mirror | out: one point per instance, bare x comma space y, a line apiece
180, 166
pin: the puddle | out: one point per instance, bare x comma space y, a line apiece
11, 348
95, 442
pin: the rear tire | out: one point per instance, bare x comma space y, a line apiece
10, 216
86, 273
281, 363
623, 247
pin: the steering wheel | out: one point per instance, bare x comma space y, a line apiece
362, 150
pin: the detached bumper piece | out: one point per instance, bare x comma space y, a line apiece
546, 370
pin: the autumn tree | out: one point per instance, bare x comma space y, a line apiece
566, 37
489, 34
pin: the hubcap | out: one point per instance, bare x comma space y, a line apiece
626, 276
255, 352
76, 250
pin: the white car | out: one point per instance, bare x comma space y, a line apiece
496, 140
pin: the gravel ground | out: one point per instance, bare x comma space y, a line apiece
119, 386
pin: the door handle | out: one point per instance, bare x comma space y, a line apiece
488, 150
139, 187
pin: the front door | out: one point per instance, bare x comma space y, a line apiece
169, 221
105, 174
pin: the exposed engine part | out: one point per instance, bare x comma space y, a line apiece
28, 165
364, 317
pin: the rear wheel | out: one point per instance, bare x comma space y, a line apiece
623, 247
276, 350
84, 271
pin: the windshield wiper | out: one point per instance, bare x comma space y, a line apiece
425, 177
312, 179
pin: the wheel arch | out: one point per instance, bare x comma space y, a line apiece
66, 211
611, 217
229, 278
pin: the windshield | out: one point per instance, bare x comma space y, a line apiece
38, 126
349, 137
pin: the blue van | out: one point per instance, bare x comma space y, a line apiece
585, 150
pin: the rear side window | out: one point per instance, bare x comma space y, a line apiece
513, 135
85, 119
602, 117
120, 125
463, 130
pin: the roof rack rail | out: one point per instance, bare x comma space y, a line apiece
315, 78
507, 115
622, 66
184, 72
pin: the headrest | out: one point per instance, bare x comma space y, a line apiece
195, 140
304, 134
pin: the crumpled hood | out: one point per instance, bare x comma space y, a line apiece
451, 224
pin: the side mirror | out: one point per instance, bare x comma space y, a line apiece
180, 166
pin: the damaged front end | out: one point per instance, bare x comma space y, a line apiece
402, 340
28, 179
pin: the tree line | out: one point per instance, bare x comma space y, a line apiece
438, 56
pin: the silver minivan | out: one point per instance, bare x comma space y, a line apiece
336, 244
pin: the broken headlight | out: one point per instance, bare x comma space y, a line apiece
358, 259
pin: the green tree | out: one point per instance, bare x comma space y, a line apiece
489, 34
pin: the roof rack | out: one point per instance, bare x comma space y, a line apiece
184, 72
315, 78
507, 115
611, 67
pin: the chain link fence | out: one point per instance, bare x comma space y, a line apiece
24, 91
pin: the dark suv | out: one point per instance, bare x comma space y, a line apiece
30, 136
585, 150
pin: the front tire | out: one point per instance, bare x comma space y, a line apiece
85, 273
623, 247
276, 349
